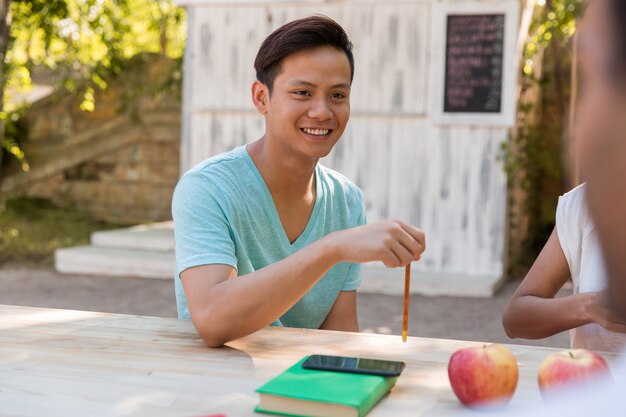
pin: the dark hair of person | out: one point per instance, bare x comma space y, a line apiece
296, 36
618, 10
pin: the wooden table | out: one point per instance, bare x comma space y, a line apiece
75, 363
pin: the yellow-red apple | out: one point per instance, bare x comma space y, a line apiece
483, 376
569, 367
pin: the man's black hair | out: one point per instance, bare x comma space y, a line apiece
299, 35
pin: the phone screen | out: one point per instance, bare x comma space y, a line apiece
354, 365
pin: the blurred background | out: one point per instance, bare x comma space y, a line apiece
102, 111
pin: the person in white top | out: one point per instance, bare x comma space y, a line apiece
573, 250
581, 246
601, 130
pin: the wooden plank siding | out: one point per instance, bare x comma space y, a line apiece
390, 47
446, 180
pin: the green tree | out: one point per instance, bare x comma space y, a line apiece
534, 156
79, 44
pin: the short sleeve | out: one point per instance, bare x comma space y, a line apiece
354, 276
570, 226
201, 228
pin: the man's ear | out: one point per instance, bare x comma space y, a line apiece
260, 96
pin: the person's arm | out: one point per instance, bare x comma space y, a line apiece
342, 315
534, 313
224, 307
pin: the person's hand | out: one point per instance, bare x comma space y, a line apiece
600, 313
393, 242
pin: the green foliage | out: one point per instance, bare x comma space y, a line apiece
79, 44
13, 129
555, 22
32, 228
534, 155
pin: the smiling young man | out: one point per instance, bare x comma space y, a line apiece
264, 233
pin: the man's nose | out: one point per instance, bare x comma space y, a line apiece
320, 110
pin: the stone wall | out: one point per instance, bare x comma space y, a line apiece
131, 185
119, 162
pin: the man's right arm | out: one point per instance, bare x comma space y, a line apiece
224, 307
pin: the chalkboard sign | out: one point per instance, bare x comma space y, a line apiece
474, 63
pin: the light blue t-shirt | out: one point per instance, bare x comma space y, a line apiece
224, 214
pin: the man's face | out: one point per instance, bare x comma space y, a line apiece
309, 107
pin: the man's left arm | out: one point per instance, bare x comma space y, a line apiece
342, 315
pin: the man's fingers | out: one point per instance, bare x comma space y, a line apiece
420, 236
411, 245
403, 254
390, 259
416, 235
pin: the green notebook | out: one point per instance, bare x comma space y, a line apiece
312, 393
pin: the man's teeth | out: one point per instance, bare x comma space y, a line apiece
317, 132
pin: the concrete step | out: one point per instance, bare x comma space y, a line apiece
96, 260
157, 237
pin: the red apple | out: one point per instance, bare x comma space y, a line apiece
569, 367
483, 376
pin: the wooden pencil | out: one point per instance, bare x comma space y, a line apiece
405, 313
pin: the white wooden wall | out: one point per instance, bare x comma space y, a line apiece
446, 180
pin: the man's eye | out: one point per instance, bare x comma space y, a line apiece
301, 93
338, 96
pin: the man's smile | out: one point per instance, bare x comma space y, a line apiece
316, 132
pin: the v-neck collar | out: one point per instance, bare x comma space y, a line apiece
275, 218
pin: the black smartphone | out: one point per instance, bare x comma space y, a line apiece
354, 365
